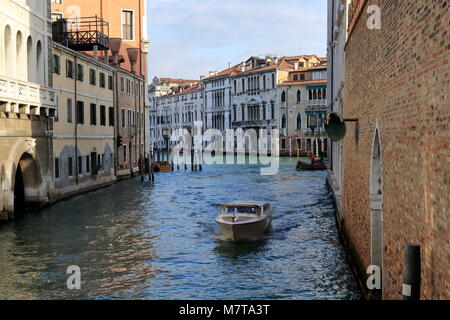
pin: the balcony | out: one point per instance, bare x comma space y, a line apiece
253, 123
318, 102
24, 97
82, 33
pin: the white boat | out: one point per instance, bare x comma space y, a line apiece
245, 220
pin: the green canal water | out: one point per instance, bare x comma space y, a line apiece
138, 240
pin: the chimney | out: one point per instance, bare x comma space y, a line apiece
296, 65
133, 56
115, 44
229, 65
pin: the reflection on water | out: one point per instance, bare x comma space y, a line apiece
136, 240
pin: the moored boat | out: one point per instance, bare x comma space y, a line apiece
245, 220
317, 165
163, 166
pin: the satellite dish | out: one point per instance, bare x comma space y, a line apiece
335, 127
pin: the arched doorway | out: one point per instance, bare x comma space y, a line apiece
376, 205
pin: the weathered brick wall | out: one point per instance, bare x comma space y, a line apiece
399, 78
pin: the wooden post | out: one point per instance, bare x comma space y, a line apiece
411, 277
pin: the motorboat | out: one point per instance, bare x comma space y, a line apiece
244, 220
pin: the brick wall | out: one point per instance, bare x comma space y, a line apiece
398, 78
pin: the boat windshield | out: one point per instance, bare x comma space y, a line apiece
242, 209
251, 210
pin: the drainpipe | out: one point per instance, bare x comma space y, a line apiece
76, 119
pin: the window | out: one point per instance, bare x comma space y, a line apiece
56, 16
123, 118
299, 121
299, 96
57, 168
111, 116
283, 144
124, 153
110, 83
69, 111
127, 25
302, 76
80, 112
70, 164
283, 96
57, 1
92, 77
69, 69
93, 114
102, 80
102, 115
88, 164
272, 110
283, 122
80, 72
273, 80
122, 84
295, 77
56, 64
80, 165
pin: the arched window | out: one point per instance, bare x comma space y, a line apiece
272, 110
319, 94
324, 94
299, 121
283, 96
315, 94
273, 80
310, 95
283, 121
249, 84
234, 113
242, 113
20, 56
39, 63
264, 82
9, 62
299, 96
30, 59
243, 85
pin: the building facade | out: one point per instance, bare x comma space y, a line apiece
395, 166
27, 103
160, 87
126, 26
83, 147
303, 109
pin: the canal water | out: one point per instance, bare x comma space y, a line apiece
135, 240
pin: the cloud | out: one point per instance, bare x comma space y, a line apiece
190, 37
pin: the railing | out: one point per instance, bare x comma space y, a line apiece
252, 123
17, 94
317, 102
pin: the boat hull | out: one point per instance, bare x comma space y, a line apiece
306, 166
245, 231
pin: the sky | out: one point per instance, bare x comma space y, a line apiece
189, 38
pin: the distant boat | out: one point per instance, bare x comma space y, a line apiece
317, 165
163, 166
245, 220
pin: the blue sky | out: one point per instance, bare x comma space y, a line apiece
191, 37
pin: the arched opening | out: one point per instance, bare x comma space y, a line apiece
19, 192
376, 204
30, 60
299, 96
19, 56
283, 96
27, 182
9, 62
39, 63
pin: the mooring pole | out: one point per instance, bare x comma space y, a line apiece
412, 278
